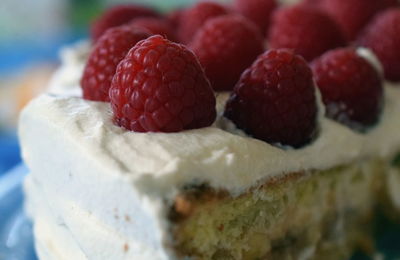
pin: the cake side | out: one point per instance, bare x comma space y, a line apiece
72, 185
53, 239
66, 130
307, 215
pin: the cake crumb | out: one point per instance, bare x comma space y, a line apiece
221, 227
183, 206
126, 247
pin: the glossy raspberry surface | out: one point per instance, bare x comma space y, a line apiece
195, 17
226, 46
161, 87
118, 15
275, 100
351, 88
258, 11
307, 30
108, 51
382, 36
155, 26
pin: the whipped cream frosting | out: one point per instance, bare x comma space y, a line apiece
137, 175
220, 155
73, 60
225, 160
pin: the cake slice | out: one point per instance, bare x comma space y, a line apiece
116, 195
147, 162
97, 191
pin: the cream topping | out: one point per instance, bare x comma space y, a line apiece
220, 155
65, 80
371, 58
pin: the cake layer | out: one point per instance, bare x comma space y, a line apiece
309, 212
314, 215
393, 184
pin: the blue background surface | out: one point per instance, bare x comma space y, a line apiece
15, 230
9, 152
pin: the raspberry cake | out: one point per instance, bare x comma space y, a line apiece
140, 150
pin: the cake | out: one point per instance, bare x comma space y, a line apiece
98, 190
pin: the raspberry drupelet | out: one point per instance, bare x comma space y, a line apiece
118, 15
107, 52
161, 87
225, 58
382, 36
258, 11
307, 30
194, 17
353, 15
275, 100
351, 88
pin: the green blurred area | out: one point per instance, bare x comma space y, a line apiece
81, 13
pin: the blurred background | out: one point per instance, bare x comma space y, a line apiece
31, 33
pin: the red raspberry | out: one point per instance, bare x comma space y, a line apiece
194, 17
226, 46
353, 15
161, 87
174, 17
391, 3
108, 51
258, 11
275, 100
385, 3
155, 26
118, 15
383, 37
351, 88
308, 31
314, 3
